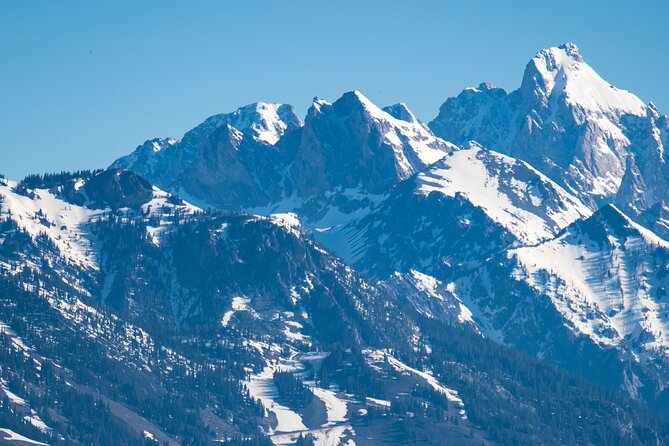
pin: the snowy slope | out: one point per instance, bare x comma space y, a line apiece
262, 387
43, 213
54, 213
12, 437
460, 210
607, 277
432, 298
511, 192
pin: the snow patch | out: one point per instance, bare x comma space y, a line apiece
62, 222
238, 304
10, 435
261, 386
336, 408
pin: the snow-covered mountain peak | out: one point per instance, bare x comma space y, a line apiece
571, 50
562, 71
401, 128
146, 153
483, 86
356, 95
263, 121
396, 115
565, 120
159, 144
316, 105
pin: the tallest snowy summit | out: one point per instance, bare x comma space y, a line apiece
562, 70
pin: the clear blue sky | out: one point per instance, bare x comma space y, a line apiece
83, 82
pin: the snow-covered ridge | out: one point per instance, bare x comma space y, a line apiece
511, 192
10, 436
427, 376
163, 200
265, 122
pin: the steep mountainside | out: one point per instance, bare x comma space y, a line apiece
228, 161
129, 316
593, 299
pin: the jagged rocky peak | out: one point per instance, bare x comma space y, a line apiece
355, 102
264, 121
229, 161
158, 144
353, 144
144, 154
479, 114
571, 50
242, 160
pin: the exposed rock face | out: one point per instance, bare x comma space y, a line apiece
261, 158
644, 192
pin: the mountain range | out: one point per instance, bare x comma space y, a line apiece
496, 276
